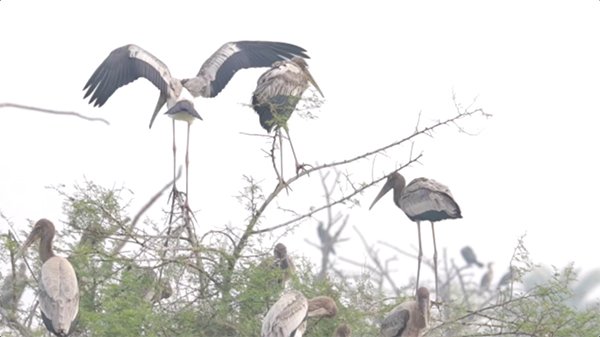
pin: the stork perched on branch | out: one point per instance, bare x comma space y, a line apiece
287, 317
59, 292
130, 62
277, 93
422, 200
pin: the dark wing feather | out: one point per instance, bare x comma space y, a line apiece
394, 324
122, 66
233, 56
428, 200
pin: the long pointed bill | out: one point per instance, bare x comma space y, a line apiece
30, 239
162, 99
386, 188
312, 81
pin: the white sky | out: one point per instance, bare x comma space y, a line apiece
533, 65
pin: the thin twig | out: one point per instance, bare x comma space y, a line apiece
55, 112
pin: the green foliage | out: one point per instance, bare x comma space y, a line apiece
133, 282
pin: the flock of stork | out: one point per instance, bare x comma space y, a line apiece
277, 93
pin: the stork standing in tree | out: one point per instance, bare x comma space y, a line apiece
59, 292
277, 93
408, 318
287, 317
130, 62
422, 200
284, 263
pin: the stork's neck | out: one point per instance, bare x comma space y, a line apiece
46, 251
422, 318
397, 194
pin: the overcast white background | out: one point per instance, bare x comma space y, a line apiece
532, 168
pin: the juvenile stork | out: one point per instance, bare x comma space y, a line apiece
277, 93
422, 200
130, 62
59, 292
408, 318
287, 317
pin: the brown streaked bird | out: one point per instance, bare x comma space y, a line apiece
277, 93
422, 200
59, 292
486, 279
408, 318
343, 330
469, 256
287, 317
130, 62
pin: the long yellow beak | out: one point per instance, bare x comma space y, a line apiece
312, 81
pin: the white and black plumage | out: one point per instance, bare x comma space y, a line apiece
422, 200
469, 256
408, 318
287, 317
130, 62
277, 93
59, 292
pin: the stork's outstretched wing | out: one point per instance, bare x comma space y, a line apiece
220, 67
122, 66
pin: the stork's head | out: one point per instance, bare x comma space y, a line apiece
280, 251
304, 67
323, 306
394, 181
43, 229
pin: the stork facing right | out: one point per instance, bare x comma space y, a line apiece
277, 93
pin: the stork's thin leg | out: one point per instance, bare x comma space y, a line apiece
280, 155
435, 263
273, 157
174, 158
173, 196
298, 166
420, 255
187, 165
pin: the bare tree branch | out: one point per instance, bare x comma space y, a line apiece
55, 112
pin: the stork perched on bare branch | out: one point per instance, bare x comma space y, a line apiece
408, 318
287, 317
59, 292
130, 62
422, 200
277, 93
